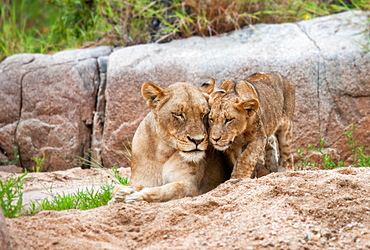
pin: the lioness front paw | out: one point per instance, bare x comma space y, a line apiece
119, 194
134, 198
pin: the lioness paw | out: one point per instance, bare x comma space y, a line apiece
135, 198
119, 193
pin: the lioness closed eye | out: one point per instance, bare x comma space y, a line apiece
170, 154
245, 114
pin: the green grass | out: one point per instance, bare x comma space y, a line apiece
41, 26
21, 27
11, 192
11, 197
84, 199
46, 26
87, 198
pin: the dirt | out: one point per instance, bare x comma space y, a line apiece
294, 210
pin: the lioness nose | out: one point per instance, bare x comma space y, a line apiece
196, 141
216, 139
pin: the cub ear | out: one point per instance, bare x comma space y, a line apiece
228, 85
250, 105
152, 94
245, 90
208, 87
214, 95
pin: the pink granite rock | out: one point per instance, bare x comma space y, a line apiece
321, 56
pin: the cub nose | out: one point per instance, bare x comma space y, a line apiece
216, 139
196, 141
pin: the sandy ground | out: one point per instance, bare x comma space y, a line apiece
297, 210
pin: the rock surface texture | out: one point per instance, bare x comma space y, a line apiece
323, 57
47, 104
4, 235
61, 104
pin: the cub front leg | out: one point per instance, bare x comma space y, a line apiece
271, 154
260, 170
284, 136
248, 159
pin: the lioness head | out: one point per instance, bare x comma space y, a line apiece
181, 113
232, 110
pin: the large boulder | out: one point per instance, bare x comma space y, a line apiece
47, 103
73, 104
324, 57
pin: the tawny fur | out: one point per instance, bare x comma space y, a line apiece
245, 114
170, 154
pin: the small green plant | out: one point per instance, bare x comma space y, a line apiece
358, 157
31, 209
366, 46
128, 149
15, 157
39, 161
120, 180
11, 195
328, 161
113, 172
88, 161
303, 160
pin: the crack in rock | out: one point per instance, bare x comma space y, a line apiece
319, 78
19, 117
355, 96
99, 113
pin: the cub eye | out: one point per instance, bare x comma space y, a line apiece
229, 120
178, 116
210, 120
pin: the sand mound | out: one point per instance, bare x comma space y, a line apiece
304, 209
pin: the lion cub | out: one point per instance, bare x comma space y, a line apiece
170, 154
245, 114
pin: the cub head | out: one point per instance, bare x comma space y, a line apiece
181, 116
233, 109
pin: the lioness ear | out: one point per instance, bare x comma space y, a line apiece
152, 94
228, 85
211, 100
245, 90
250, 105
208, 87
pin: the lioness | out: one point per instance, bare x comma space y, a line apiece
170, 154
245, 114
